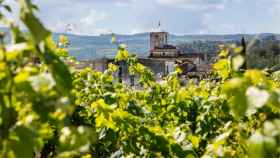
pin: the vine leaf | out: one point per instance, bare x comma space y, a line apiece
36, 28
23, 143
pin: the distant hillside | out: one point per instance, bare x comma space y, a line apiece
92, 47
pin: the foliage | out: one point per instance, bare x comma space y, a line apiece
264, 53
35, 97
48, 111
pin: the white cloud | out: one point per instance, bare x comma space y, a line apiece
92, 17
141, 30
82, 25
195, 4
87, 24
74, 17
272, 5
210, 25
124, 3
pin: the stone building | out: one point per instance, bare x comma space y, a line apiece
159, 47
170, 56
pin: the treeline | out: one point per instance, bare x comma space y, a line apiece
261, 53
264, 53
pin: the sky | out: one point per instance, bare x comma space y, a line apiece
94, 17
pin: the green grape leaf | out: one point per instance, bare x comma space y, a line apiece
235, 89
59, 70
23, 142
195, 140
122, 55
261, 146
37, 29
222, 68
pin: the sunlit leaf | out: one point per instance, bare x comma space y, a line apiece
237, 62
235, 90
195, 140
39, 32
256, 97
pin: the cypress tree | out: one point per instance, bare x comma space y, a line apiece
243, 53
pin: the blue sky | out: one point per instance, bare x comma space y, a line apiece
92, 17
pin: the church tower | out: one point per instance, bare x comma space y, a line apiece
158, 39
159, 47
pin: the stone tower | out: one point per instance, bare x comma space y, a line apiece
159, 47
158, 40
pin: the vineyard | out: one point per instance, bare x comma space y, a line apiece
49, 109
